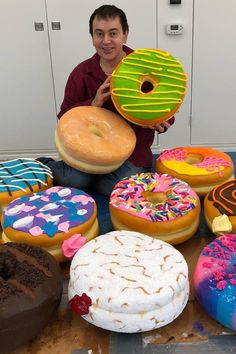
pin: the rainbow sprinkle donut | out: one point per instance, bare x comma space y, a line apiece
157, 205
167, 86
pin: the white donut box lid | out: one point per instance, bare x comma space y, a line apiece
136, 283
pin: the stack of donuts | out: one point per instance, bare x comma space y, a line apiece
132, 279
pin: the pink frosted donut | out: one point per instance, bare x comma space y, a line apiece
157, 205
215, 279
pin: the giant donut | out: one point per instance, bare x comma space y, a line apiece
167, 91
221, 201
157, 205
215, 280
93, 139
128, 282
202, 168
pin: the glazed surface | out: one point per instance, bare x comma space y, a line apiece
215, 279
54, 210
159, 68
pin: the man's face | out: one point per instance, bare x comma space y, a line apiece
108, 38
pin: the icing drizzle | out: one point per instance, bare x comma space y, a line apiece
159, 67
128, 196
224, 197
22, 174
210, 163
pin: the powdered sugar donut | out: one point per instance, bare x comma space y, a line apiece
157, 205
47, 218
215, 279
128, 282
201, 167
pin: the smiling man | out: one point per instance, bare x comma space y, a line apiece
89, 85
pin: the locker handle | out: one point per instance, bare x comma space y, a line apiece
56, 25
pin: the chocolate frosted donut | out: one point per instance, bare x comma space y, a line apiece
30, 292
221, 201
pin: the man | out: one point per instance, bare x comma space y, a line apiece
89, 84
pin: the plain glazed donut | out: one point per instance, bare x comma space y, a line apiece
168, 86
94, 140
157, 205
221, 201
214, 280
202, 168
47, 218
128, 282
30, 293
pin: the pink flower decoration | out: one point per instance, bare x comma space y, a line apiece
36, 231
72, 245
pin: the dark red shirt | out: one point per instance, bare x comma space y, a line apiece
80, 90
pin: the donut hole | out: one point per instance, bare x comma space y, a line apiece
95, 130
147, 86
156, 197
193, 159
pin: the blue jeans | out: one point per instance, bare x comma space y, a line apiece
64, 175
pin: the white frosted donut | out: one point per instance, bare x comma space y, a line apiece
93, 139
158, 205
133, 282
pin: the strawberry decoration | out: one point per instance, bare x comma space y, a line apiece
80, 304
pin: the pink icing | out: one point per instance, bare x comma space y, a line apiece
64, 226
209, 163
36, 231
128, 196
72, 245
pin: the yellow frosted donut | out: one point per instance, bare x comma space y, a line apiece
166, 88
201, 167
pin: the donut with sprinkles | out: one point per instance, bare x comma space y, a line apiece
214, 280
202, 168
148, 86
158, 205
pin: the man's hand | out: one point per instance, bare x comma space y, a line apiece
160, 128
103, 93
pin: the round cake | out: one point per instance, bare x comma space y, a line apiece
30, 293
215, 280
20, 177
202, 168
128, 282
158, 205
94, 139
49, 217
148, 86
221, 201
